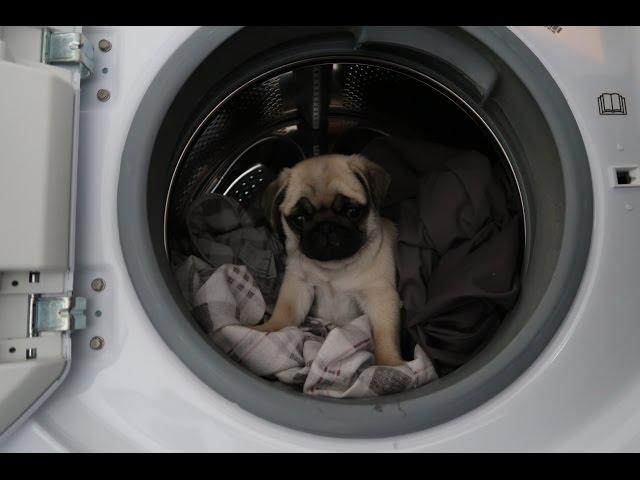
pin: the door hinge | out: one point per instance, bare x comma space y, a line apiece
58, 314
68, 48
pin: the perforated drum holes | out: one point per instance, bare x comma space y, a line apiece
625, 176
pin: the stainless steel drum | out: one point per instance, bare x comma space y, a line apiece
276, 120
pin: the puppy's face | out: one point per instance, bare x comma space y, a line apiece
327, 206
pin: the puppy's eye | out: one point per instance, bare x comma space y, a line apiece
297, 221
354, 212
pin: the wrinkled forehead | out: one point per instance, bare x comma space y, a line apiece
320, 180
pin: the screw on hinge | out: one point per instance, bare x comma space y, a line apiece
96, 343
103, 95
98, 284
104, 45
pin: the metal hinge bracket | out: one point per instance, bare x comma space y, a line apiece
68, 48
59, 314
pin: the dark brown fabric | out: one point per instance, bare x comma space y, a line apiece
459, 245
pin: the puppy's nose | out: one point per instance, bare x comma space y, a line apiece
325, 227
334, 239
320, 241
327, 235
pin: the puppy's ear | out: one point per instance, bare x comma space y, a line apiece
273, 197
373, 177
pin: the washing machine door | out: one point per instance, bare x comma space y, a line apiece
40, 73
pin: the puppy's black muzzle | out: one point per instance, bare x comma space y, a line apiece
328, 240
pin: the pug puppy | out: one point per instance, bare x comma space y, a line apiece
340, 252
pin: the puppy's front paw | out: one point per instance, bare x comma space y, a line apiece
386, 346
273, 324
390, 359
265, 327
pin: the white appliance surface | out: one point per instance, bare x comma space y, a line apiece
135, 394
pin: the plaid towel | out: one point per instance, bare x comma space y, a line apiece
320, 358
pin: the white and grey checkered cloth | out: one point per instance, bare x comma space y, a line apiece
322, 359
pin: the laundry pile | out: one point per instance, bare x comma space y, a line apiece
457, 265
233, 282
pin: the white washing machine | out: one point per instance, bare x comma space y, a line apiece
101, 130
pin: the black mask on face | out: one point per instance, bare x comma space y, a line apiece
329, 233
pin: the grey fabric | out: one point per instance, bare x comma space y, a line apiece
223, 233
459, 245
321, 359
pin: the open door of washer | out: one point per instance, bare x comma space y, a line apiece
40, 74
